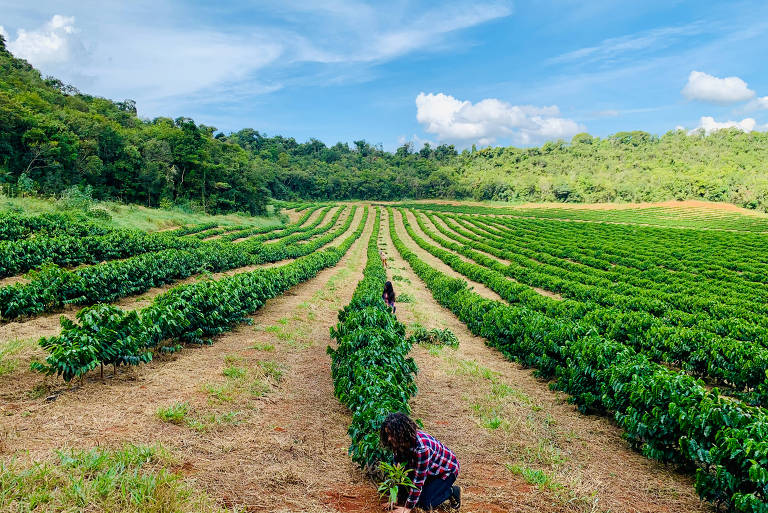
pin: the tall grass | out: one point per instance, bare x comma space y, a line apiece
136, 216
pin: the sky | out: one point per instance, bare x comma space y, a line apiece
484, 72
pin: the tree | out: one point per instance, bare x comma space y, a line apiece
25, 185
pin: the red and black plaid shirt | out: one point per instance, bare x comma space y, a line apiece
431, 458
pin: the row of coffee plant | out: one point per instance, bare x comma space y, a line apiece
20, 256
53, 287
683, 271
704, 218
16, 226
106, 335
733, 363
666, 414
372, 372
273, 233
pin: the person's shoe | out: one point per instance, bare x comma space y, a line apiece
455, 497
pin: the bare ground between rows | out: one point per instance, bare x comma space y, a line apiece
288, 449
589, 467
16, 385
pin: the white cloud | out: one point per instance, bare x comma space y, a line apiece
757, 104
169, 62
3, 32
709, 125
708, 88
484, 122
54, 42
609, 50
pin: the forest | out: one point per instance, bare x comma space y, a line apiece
54, 138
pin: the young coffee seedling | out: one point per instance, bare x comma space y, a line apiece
395, 476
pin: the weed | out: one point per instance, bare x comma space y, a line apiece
405, 298
397, 277
536, 477
422, 335
234, 372
271, 370
175, 414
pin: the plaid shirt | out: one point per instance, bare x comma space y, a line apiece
431, 458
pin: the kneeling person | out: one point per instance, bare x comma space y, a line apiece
435, 467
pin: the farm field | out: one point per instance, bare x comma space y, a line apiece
607, 359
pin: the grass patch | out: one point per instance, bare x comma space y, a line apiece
214, 420
473, 369
271, 370
244, 380
221, 392
404, 298
234, 372
294, 335
435, 350
134, 479
142, 218
263, 347
175, 413
9, 351
397, 277
536, 477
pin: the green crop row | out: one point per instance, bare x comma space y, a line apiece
667, 415
704, 219
223, 229
52, 287
16, 227
193, 228
20, 256
106, 335
372, 372
736, 364
276, 232
690, 292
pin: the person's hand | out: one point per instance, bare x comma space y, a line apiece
402, 509
387, 506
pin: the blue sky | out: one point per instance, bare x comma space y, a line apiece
461, 72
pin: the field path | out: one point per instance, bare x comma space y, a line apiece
521, 445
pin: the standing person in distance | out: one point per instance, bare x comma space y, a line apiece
389, 295
435, 466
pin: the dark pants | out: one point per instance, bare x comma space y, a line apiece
435, 492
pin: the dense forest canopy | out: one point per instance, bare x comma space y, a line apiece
54, 138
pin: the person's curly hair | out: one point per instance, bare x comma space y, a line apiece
398, 434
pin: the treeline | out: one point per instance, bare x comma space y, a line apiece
728, 165
55, 140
